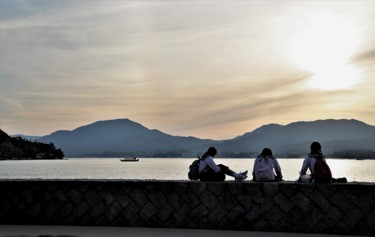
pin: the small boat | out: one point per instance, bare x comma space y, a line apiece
130, 159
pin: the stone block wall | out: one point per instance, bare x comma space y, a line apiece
280, 206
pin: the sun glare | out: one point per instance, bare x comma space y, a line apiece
341, 77
324, 48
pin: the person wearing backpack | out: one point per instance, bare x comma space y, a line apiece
316, 163
265, 167
210, 171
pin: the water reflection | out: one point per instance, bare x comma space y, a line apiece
162, 169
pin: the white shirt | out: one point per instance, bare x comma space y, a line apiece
274, 162
308, 163
208, 161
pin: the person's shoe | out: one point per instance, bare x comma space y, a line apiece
244, 173
240, 178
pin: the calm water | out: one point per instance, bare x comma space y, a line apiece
162, 169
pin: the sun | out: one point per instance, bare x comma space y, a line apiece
324, 47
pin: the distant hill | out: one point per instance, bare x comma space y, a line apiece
19, 148
4, 137
294, 139
27, 137
123, 137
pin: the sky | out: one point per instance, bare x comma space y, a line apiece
209, 69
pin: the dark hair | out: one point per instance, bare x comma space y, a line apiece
316, 148
266, 152
210, 152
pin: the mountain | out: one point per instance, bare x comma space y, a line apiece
12, 148
122, 137
295, 138
28, 137
4, 137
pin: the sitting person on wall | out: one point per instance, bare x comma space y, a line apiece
265, 167
210, 171
319, 170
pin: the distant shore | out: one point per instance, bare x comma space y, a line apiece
35, 159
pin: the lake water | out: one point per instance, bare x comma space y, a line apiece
163, 169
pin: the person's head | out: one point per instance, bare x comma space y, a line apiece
266, 152
315, 148
212, 151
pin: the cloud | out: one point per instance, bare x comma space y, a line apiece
185, 67
368, 55
224, 106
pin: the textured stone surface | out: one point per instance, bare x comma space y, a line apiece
281, 206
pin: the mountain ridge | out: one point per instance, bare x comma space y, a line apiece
119, 137
297, 135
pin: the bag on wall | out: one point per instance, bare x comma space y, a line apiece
193, 173
322, 172
264, 170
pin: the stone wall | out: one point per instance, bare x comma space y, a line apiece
283, 207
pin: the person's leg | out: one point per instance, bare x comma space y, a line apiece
237, 176
226, 170
210, 175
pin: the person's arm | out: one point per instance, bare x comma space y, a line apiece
255, 164
211, 163
279, 176
305, 165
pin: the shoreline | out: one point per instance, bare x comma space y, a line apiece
34, 159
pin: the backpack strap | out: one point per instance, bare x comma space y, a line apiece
207, 167
202, 158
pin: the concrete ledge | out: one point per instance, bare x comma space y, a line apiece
280, 206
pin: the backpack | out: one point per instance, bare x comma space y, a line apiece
322, 172
263, 171
193, 173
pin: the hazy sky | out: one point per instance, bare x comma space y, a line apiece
210, 69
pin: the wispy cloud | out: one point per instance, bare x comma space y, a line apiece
203, 68
368, 55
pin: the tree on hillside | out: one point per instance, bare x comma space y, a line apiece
20, 148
